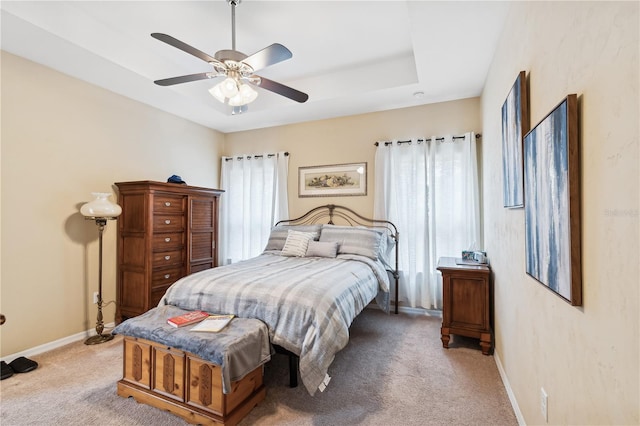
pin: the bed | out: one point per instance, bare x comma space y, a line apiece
316, 274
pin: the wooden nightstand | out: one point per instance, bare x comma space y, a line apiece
467, 299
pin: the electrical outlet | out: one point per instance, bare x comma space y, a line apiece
95, 297
543, 404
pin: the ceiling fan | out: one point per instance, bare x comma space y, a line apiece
238, 69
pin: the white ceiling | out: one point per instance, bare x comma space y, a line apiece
351, 57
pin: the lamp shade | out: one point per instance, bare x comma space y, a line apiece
101, 206
229, 87
245, 95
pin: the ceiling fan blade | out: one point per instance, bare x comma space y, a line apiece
283, 90
184, 47
184, 79
270, 55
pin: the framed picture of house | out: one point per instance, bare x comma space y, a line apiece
332, 180
515, 124
552, 202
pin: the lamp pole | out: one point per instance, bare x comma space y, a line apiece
99, 337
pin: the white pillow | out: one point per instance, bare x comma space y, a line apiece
297, 243
322, 249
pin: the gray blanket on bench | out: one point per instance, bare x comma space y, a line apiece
238, 349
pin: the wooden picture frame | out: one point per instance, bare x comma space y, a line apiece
552, 202
332, 180
515, 124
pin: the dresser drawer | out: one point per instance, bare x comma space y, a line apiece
168, 241
168, 223
163, 278
165, 259
168, 204
156, 295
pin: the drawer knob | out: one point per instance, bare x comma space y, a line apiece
166, 276
167, 257
167, 203
167, 221
166, 240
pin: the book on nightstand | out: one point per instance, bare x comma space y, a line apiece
187, 319
213, 323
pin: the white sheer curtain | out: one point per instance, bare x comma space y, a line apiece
255, 198
430, 191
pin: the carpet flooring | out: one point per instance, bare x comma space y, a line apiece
394, 371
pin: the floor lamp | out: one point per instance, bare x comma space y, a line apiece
100, 209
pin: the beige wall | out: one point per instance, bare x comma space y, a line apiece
351, 139
61, 140
586, 358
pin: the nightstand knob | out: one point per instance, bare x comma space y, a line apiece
166, 240
166, 276
168, 204
167, 257
167, 222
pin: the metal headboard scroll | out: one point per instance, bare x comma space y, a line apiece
328, 212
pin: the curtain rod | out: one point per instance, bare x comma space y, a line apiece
386, 143
249, 157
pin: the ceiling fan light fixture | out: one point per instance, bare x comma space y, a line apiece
244, 94
236, 68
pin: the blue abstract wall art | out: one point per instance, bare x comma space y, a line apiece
515, 124
552, 202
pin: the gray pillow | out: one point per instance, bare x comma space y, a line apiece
279, 234
387, 244
322, 249
353, 240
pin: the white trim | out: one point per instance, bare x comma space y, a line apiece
54, 345
507, 386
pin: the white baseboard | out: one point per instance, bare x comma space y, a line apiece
507, 386
55, 344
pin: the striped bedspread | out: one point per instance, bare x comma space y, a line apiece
307, 303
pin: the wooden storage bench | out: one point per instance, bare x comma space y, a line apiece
185, 385
205, 378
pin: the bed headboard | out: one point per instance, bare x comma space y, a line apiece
328, 213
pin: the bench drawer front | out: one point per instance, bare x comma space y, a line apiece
168, 375
205, 385
137, 362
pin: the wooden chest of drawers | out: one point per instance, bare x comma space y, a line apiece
166, 231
